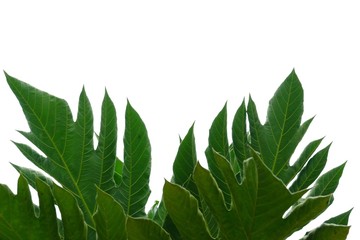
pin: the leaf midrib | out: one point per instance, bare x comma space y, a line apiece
61, 156
282, 127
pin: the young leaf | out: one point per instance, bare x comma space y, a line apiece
134, 190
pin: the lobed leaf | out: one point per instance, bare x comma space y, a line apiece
68, 146
18, 219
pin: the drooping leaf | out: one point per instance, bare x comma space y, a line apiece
70, 157
145, 229
110, 219
184, 211
134, 190
17, 214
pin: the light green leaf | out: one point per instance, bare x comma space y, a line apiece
109, 218
184, 211
145, 229
134, 190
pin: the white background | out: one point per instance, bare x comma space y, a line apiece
180, 61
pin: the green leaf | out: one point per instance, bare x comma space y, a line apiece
311, 171
184, 211
134, 190
304, 157
214, 199
70, 157
118, 171
283, 120
302, 213
185, 159
71, 215
109, 218
218, 141
145, 229
239, 135
17, 217
341, 219
255, 126
328, 232
328, 182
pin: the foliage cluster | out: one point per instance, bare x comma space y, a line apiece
250, 191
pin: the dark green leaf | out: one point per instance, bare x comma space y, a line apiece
328, 182
328, 232
145, 229
185, 159
239, 135
308, 151
311, 171
341, 219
